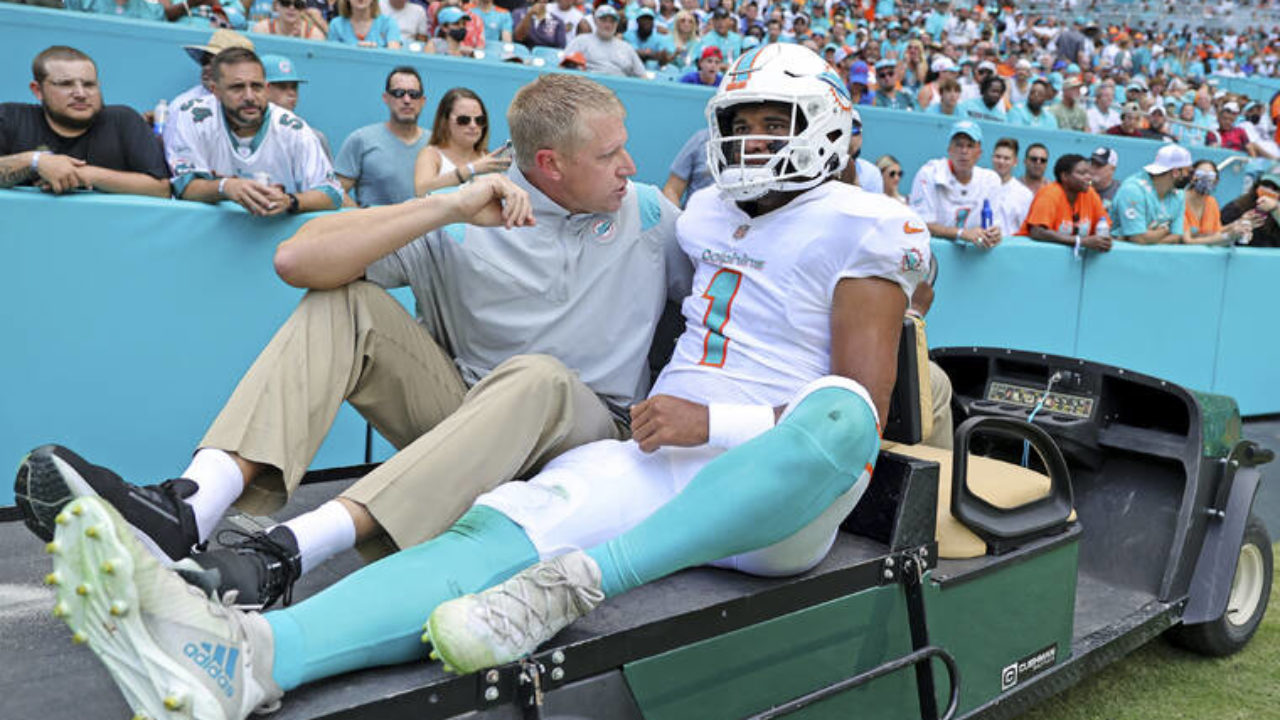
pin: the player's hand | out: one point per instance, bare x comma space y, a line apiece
496, 161
60, 173
667, 420
1096, 242
254, 196
492, 200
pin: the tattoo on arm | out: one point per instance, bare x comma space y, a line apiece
15, 169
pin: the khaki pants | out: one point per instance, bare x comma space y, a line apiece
940, 400
356, 343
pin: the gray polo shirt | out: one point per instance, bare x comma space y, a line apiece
611, 57
586, 288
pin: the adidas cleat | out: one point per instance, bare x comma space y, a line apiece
51, 476
510, 620
172, 652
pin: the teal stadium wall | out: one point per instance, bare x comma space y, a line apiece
128, 320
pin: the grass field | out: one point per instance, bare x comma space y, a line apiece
1161, 682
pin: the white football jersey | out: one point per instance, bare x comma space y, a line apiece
940, 198
286, 149
758, 320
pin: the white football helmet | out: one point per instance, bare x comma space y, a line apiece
821, 118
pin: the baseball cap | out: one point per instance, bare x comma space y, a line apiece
1131, 108
860, 73
1170, 156
453, 15
280, 69
1022, 64
1071, 81
987, 65
942, 63
1156, 108
1251, 105
886, 63
1136, 85
969, 128
720, 12
1104, 156
1230, 107
644, 12
220, 40
798, 17
575, 58
710, 51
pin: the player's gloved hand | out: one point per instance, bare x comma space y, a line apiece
59, 173
492, 200
667, 420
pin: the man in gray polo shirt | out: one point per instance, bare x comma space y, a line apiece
604, 50
375, 164
540, 291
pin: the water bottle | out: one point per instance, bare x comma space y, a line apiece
1104, 228
159, 116
988, 218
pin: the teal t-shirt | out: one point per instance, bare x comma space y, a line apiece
730, 45
1137, 207
138, 9
384, 30
898, 101
495, 21
975, 109
1020, 115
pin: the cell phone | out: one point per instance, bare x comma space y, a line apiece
504, 149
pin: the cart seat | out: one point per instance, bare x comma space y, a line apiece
1000, 483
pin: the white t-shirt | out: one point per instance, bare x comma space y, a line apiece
1099, 121
758, 319
869, 177
411, 18
942, 199
286, 149
570, 18
1011, 206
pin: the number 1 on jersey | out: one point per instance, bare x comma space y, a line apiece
720, 294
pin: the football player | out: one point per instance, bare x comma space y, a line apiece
757, 440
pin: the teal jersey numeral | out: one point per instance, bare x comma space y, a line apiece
720, 294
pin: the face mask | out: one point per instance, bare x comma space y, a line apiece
1204, 183
458, 34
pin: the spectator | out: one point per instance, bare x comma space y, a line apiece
223, 144
289, 18
860, 171
1020, 88
708, 70
989, 105
942, 68
684, 37
689, 172
1201, 217
1228, 136
70, 140
949, 192
888, 95
1103, 163
948, 99
1185, 130
458, 150
451, 34
376, 163
497, 21
220, 40
859, 83
1253, 128
723, 36
1032, 112
891, 176
1034, 163
1259, 206
359, 23
1149, 208
282, 90
1130, 121
652, 46
540, 28
573, 17
1068, 112
606, 52
1157, 129
409, 17
1013, 199
1103, 114
160, 10
1068, 211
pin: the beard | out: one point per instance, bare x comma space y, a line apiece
1182, 182
236, 120
70, 122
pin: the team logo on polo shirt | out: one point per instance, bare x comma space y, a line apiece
603, 229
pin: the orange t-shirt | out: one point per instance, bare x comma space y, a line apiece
1050, 208
1209, 222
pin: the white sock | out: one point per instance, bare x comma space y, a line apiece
219, 483
323, 533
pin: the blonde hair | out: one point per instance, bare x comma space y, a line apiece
344, 8
550, 113
675, 28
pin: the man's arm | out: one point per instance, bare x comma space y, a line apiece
1155, 236
866, 322
674, 189
16, 169
347, 184
121, 181
333, 250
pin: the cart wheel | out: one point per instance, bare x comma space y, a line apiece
1250, 590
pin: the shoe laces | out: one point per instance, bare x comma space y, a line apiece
280, 575
512, 614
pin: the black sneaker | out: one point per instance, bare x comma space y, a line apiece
52, 476
260, 568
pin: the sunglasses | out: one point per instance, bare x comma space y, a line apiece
465, 120
296, 4
1038, 160
894, 173
398, 93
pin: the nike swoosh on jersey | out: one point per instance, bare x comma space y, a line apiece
910, 229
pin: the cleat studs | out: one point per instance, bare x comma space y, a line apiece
77, 509
79, 638
52, 578
52, 547
173, 703
434, 655
62, 518
449, 668
426, 638
61, 610
82, 590
108, 567
92, 532
119, 608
